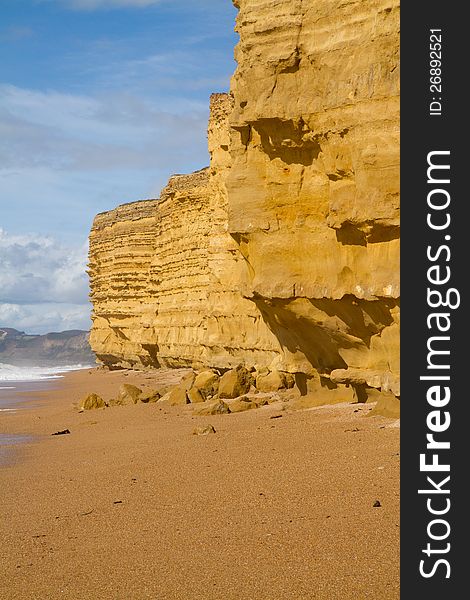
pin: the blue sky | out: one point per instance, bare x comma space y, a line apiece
100, 102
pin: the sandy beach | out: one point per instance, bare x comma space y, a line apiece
131, 505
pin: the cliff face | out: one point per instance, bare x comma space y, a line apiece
164, 275
121, 250
313, 191
285, 252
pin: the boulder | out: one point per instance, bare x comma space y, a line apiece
273, 398
261, 371
91, 402
271, 382
387, 405
234, 383
128, 395
179, 394
242, 404
207, 383
284, 396
195, 396
320, 391
165, 399
150, 397
178, 397
359, 393
212, 408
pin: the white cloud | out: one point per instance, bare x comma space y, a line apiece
35, 269
65, 157
43, 285
79, 132
45, 318
64, 203
135, 112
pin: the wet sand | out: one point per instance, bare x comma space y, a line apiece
131, 505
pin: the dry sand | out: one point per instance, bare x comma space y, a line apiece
131, 505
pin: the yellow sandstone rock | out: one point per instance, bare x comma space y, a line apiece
164, 275
179, 394
234, 383
128, 395
274, 381
204, 430
207, 384
387, 405
313, 189
284, 253
150, 397
195, 396
211, 408
91, 402
242, 405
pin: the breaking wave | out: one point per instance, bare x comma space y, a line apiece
10, 373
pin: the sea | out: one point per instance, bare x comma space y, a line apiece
29, 379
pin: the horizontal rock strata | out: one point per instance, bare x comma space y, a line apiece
165, 273
284, 253
313, 189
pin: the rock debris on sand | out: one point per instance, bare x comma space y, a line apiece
252, 512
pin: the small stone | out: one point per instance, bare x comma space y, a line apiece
63, 432
260, 401
377, 504
205, 430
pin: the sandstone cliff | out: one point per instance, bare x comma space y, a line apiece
165, 273
313, 191
285, 252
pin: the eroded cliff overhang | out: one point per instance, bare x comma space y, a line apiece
285, 251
